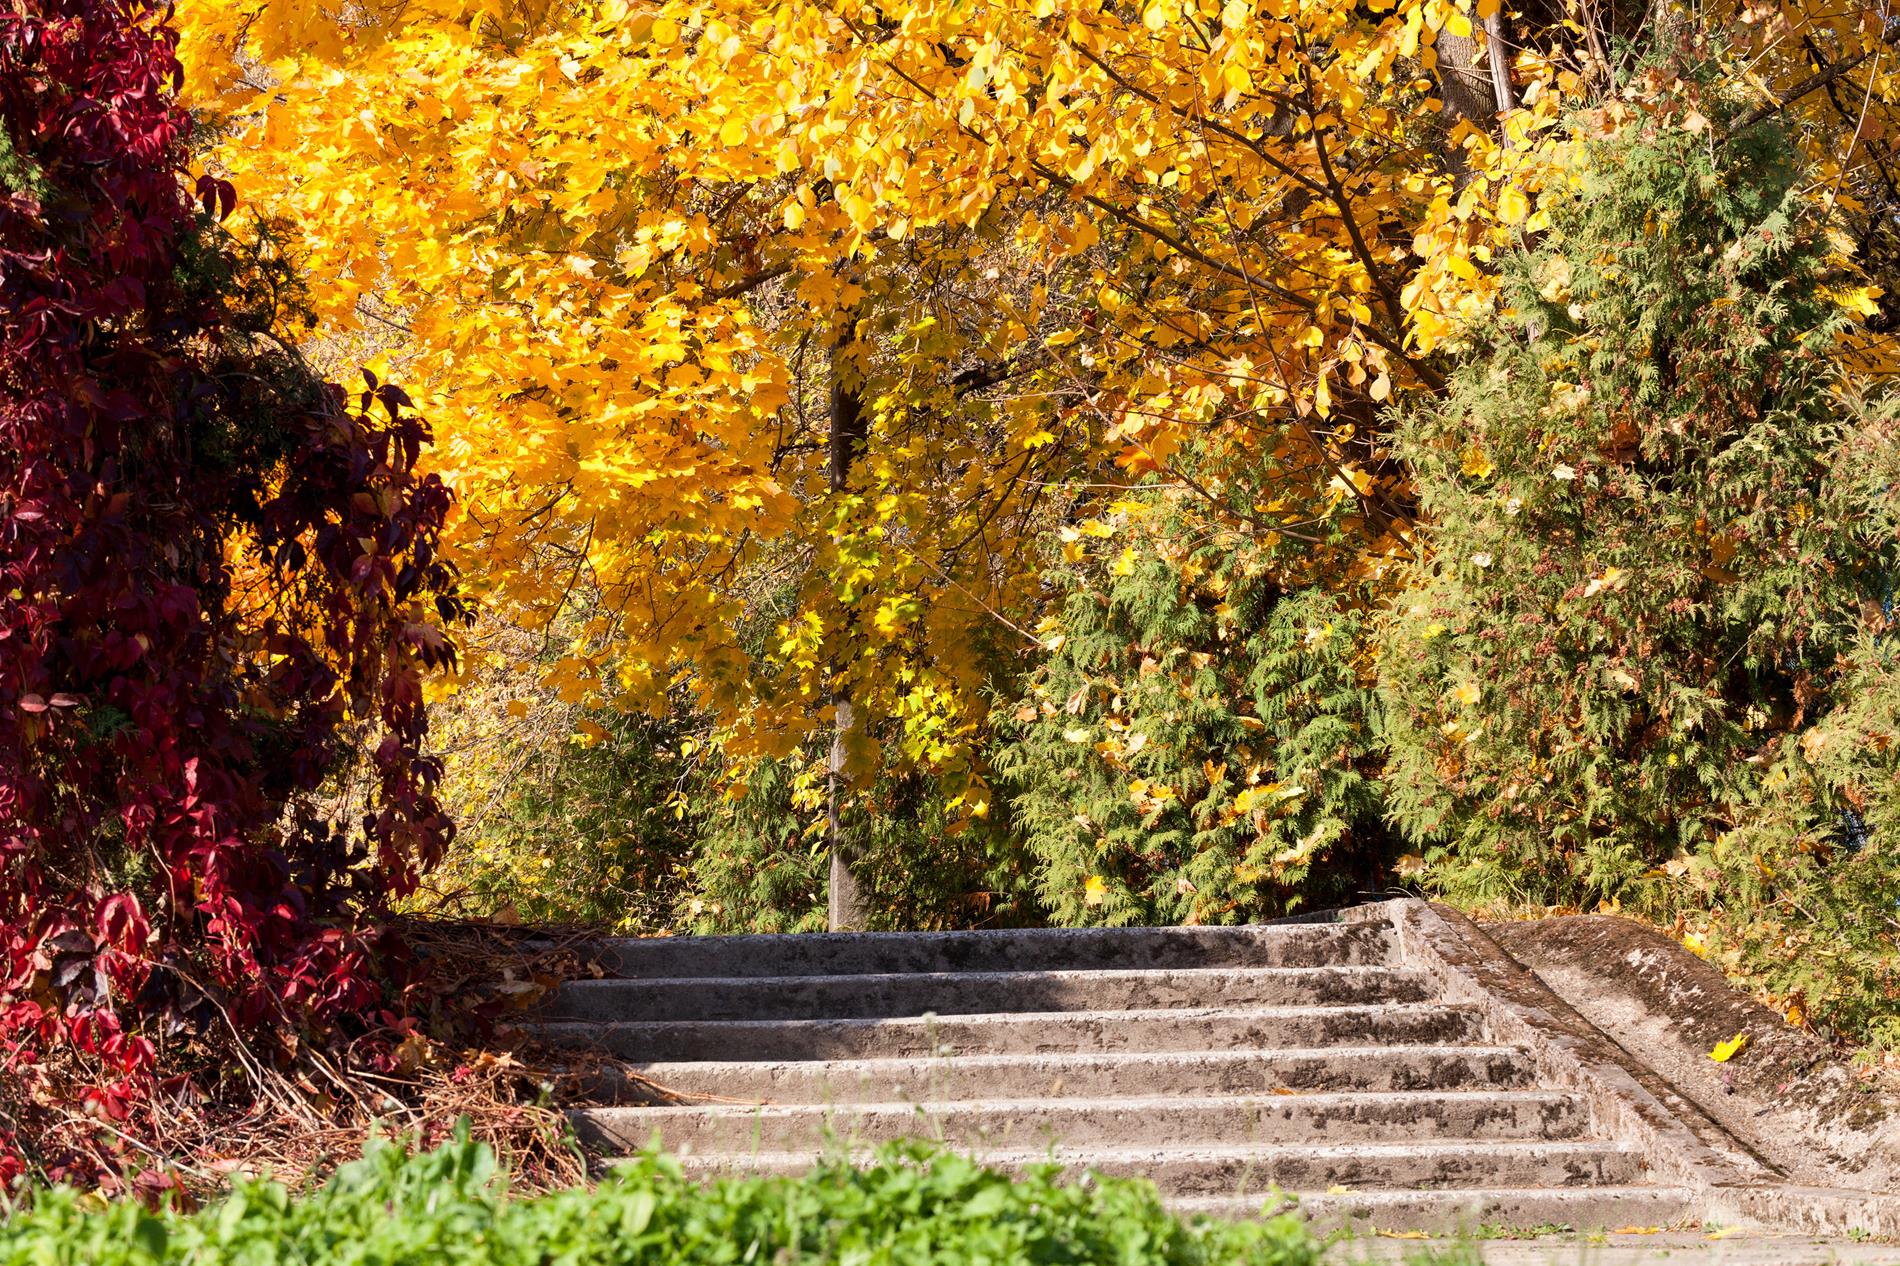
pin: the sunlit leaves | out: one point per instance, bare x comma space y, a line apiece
616, 241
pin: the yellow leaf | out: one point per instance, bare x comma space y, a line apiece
1725, 1051
1612, 578
1094, 891
1476, 463
539, 203
1467, 694
1858, 300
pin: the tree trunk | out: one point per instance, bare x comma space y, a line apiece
1470, 92
846, 908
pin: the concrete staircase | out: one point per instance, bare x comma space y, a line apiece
1225, 1064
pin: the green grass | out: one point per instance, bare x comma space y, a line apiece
913, 1207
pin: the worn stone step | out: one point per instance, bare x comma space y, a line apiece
1243, 1168
1159, 1122
952, 1077
1458, 1212
972, 993
1364, 944
1186, 1029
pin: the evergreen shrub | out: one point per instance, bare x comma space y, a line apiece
1648, 660
1199, 744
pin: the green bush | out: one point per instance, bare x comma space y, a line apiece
1200, 745
565, 833
914, 1207
1650, 659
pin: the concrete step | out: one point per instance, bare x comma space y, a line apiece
1454, 1212
1162, 1122
1367, 944
971, 993
1076, 1032
941, 1078
1232, 1170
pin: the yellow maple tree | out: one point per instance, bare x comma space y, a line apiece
638, 259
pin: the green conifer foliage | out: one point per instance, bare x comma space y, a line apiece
1198, 746
1662, 537
761, 863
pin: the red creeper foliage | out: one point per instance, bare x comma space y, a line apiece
218, 577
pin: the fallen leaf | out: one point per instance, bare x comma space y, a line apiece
1727, 1231
1725, 1051
1637, 1230
1406, 1235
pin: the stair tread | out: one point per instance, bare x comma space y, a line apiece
1178, 1030
1091, 1153
1093, 1103
862, 952
1397, 1195
770, 939
896, 1063
989, 1075
1291, 1011
894, 994
1459, 1210
867, 980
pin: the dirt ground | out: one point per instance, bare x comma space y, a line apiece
1786, 1095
